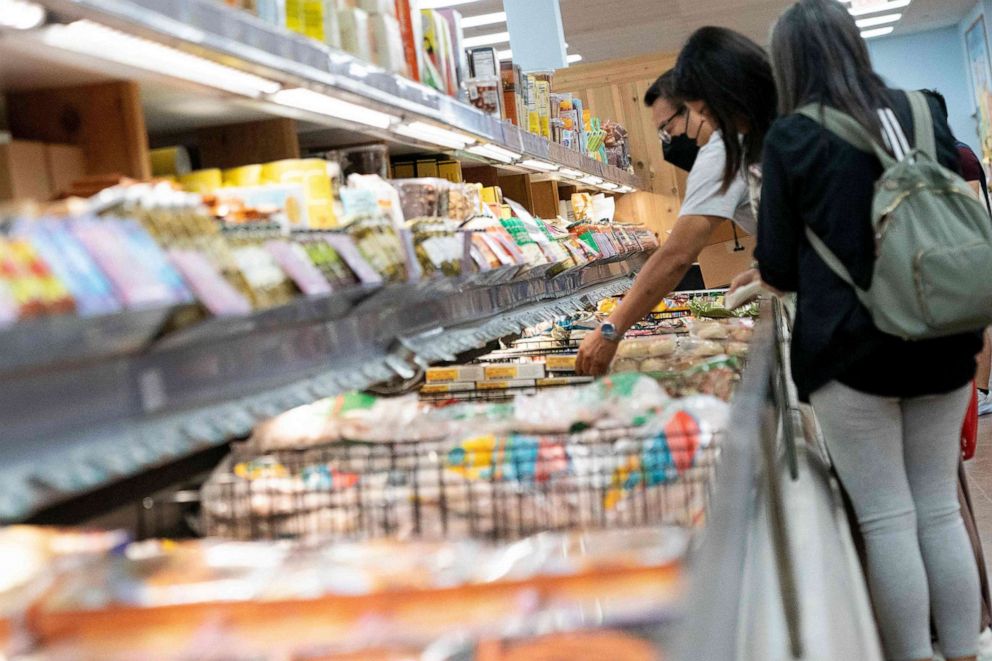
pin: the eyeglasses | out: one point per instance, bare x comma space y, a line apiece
663, 133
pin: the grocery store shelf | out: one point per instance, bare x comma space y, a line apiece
242, 42
78, 414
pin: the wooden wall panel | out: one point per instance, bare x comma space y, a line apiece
105, 119
615, 90
251, 142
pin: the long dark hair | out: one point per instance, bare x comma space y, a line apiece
818, 56
732, 75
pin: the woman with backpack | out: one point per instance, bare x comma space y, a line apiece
890, 408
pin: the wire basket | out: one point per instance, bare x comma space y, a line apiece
490, 487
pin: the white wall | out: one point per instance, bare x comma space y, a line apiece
934, 60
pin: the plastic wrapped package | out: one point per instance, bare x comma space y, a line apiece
439, 247
651, 347
364, 160
380, 245
351, 416
355, 34
388, 42
423, 198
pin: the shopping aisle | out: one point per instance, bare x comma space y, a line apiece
980, 476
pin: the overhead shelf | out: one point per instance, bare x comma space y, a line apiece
84, 403
260, 60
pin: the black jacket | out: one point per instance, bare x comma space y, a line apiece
811, 177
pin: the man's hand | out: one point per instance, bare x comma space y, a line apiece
595, 355
744, 279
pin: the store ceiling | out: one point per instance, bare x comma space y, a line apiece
603, 30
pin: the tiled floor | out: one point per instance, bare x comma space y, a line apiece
980, 480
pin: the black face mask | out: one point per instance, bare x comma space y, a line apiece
681, 152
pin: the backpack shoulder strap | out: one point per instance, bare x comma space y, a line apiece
847, 129
926, 142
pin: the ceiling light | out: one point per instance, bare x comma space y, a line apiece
572, 59
21, 15
441, 4
483, 19
504, 55
874, 9
304, 99
592, 181
535, 164
494, 152
877, 32
872, 21
486, 39
88, 38
434, 135
572, 174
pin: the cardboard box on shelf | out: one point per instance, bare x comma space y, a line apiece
66, 164
450, 170
427, 168
38, 171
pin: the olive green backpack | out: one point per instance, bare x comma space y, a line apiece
933, 240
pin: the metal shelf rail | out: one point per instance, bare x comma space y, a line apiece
75, 421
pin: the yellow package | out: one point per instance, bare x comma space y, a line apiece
202, 181
248, 175
313, 176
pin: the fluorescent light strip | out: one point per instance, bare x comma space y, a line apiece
434, 135
315, 102
486, 39
878, 20
88, 38
572, 174
494, 152
441, 4
535, 164
610, 186
875, 9
877, 32
21, 15
572, 59
592, 181
483, 19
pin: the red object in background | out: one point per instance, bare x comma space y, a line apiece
969, 433
406, 14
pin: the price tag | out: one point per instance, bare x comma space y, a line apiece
434, 376
435, 388
492, 385
560, 363
501, 372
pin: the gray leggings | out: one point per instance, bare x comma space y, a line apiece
898, 461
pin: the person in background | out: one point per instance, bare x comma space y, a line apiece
716, 190
973, 172
890, 410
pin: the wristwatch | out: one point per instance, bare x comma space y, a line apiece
609, 331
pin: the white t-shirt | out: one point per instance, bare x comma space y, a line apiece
704, 195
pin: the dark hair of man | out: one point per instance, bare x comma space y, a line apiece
732, 75
663, 88
819, 56
939, 98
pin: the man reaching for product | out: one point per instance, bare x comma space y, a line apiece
690, 144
